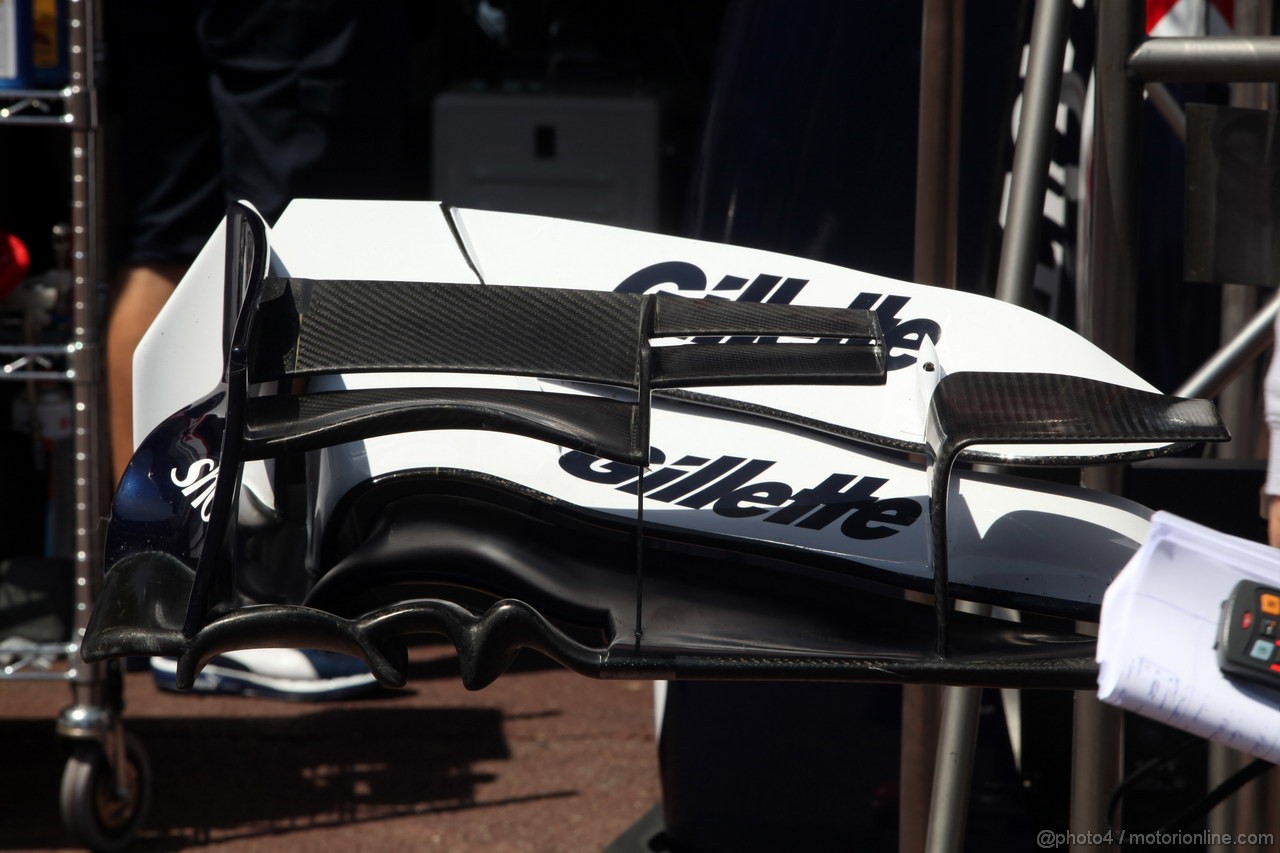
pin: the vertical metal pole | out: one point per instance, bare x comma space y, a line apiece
1049, 28
1237, 401
953, 776
937, 190
1096, 762
1223, 762
958, 725
938, 147
1109, 315
921, 715
953, 773
1271, 825
1109, 320
85, 357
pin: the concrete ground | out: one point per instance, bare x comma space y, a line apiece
542, 760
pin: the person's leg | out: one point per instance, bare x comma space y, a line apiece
143, 292
299, 103
171, 180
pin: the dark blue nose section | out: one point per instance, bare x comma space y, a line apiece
164, 499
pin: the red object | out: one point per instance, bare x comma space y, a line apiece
1157, 9
1246, 620
14, 262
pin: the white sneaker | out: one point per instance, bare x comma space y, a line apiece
276, 673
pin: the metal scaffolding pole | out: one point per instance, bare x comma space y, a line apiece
953, 773
938, 149
1109, 319
1032, 151
957, 726
1237, 402
1224, 365
1207, 59
1245, 60
937, 206
85, 354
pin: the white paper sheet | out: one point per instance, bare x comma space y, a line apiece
1159, 624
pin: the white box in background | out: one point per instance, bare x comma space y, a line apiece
589, 158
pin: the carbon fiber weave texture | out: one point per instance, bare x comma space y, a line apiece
353, 326
1027, 407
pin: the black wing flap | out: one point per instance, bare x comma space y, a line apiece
318, 327
306, 328
675, 316
602, 427
1031, 408
972, 408
762, 364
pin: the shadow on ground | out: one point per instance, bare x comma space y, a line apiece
243, 777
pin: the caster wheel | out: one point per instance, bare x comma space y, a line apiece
93, 811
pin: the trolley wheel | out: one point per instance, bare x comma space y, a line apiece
93, 810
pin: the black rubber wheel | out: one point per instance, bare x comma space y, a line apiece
93, 811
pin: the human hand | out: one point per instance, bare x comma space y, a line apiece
1273, 520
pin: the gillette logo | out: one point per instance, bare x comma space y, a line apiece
903, 337
730, 486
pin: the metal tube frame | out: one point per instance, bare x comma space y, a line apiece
1207, 59
94, 712
934, 262
1231, 359
96, 701
953, 760
1169, 108
1112, 267
1030, 178
953, 774
1109, 319
85, 276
